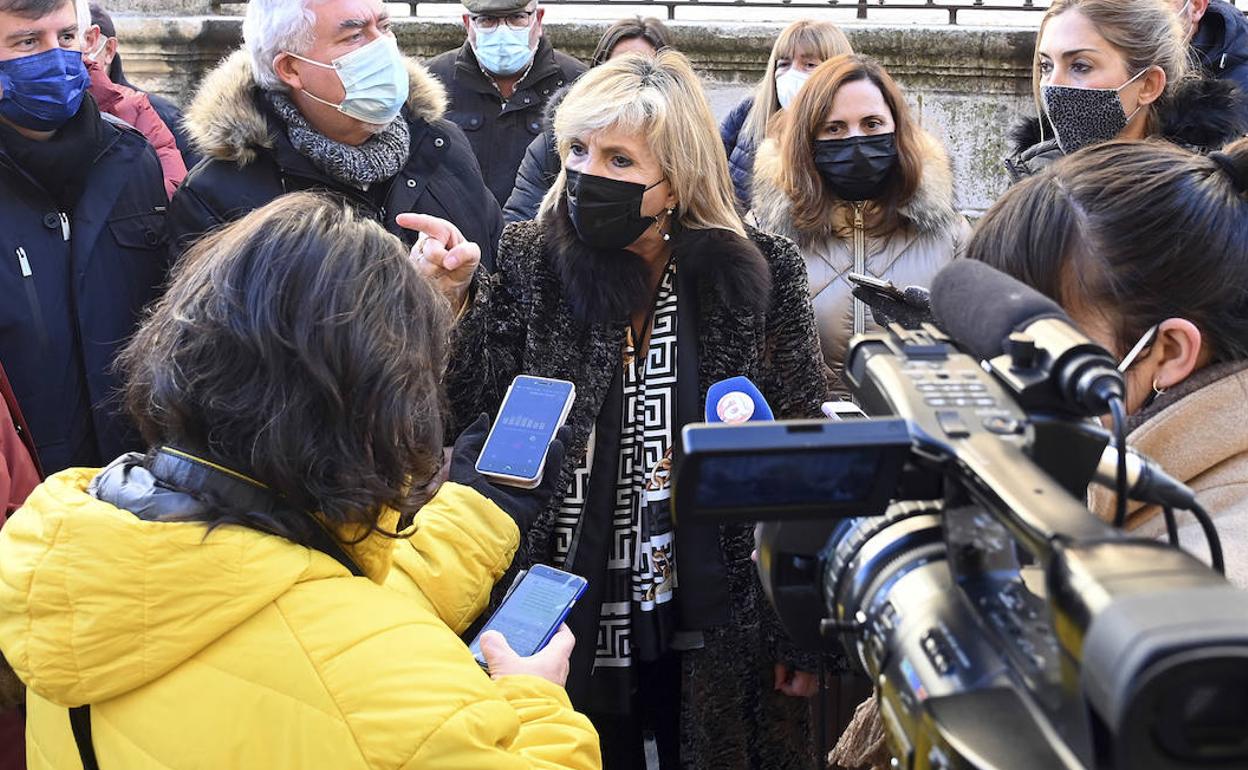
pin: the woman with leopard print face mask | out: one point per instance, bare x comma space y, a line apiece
1107, 69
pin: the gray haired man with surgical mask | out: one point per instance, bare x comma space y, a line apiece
499, 82
1218, 38
320, 98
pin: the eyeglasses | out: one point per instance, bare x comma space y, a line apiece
519, 20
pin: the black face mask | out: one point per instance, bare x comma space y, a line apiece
858, 168
606, 212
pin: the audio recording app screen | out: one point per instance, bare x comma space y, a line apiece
524, 428
533, 609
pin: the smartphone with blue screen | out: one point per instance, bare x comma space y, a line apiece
533, 610
532, 412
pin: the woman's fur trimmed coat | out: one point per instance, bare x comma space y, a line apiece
930, 234
755, 320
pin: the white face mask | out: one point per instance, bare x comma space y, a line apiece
375, 79
94, 55
788, 84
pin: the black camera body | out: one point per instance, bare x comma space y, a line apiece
946, 546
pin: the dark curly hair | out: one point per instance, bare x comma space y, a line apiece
300, 346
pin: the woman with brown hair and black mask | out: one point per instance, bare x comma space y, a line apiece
860, 187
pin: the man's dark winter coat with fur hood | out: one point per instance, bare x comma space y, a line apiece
743, 309
249, 161
1201, 115
1220, 45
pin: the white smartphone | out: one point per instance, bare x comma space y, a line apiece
532, 412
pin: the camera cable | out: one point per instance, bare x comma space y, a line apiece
1172, 527
1119, 412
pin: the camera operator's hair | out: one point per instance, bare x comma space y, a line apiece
1138, 231
1145, 32
813, 202
300, 346
648, 29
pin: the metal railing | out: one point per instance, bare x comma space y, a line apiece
865, 8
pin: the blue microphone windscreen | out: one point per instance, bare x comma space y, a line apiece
736, 400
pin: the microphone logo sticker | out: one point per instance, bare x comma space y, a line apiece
735, 407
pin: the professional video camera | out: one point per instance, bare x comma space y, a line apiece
947, 546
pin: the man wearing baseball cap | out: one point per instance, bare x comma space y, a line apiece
499, 82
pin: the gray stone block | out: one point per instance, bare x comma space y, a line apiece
967, 85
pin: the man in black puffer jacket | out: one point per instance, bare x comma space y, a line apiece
1219, 39
277, 118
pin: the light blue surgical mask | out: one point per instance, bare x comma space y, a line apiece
503, 50
375, 78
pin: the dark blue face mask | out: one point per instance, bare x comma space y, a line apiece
41, 92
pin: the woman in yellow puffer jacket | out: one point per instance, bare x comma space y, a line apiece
189, 600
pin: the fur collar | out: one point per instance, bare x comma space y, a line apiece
931, 210
225, 123
606, 288
1202, 114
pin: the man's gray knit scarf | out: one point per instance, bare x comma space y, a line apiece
378, 159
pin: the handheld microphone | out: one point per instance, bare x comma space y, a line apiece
1146, 481
736, 400
990, 314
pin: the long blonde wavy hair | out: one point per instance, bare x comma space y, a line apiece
660, 98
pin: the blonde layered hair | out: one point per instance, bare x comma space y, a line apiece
1146, 32
822, 39
659, 98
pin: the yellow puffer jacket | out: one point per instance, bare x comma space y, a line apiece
243, 650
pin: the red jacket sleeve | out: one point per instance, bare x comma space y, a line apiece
19, 469
136, 109
18, 475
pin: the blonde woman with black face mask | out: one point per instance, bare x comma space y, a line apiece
1119, 69
639, 283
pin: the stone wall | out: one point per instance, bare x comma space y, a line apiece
967, 84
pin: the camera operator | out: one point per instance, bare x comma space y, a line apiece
1143, 245
246, 594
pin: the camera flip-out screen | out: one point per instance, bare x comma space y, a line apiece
798, 469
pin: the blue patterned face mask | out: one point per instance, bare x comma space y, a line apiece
41, 92
503, 50
375, 78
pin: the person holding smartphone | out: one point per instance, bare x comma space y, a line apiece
860, 188
639, 284
253, 591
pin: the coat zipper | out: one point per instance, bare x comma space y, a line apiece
860, 266
64, 226
32, 296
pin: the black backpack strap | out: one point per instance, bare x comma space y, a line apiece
80, 723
